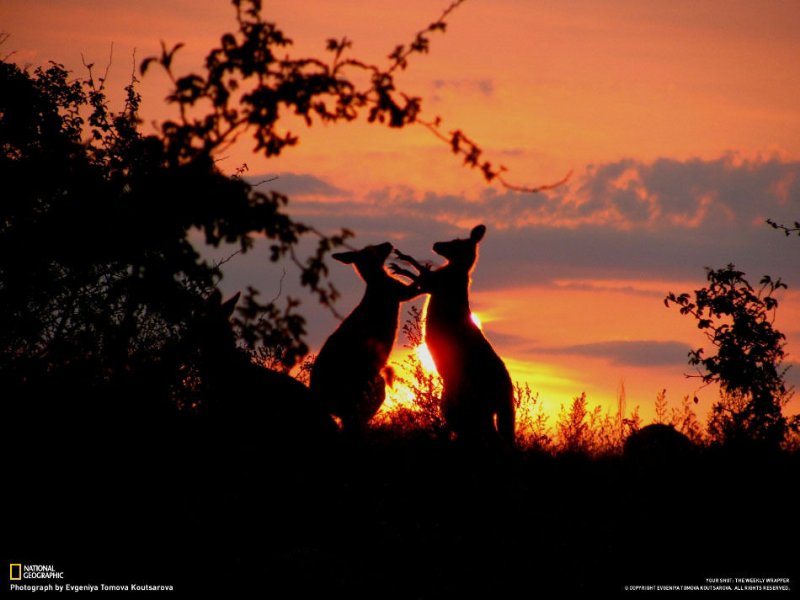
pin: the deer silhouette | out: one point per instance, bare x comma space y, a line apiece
347, 376
478, 396
245, 405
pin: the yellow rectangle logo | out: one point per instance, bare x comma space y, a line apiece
15, 573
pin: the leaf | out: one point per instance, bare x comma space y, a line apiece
146, 64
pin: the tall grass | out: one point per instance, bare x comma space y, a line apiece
579, 427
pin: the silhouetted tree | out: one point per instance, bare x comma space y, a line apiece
98, 273
97, 269
738, 321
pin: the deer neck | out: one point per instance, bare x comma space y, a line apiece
380, 296
379, 307
449, 300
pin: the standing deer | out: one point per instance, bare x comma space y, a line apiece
478, 396
246, 405
347, 374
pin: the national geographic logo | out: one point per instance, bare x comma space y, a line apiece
18, 572
33, 576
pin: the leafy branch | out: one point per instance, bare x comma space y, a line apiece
248, 86
472, 153
795, 228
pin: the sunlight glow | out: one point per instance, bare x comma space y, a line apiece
476, 320
398, 397
425, 358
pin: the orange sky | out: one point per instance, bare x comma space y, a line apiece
680, 120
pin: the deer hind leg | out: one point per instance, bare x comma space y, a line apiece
468, 416
505, 419
358, 406
451, 411
372, 398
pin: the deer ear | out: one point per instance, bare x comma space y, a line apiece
230, 305
214, 299
476, 235
347, 258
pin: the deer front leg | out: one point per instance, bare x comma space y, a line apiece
398, 270
411, 260
410, 291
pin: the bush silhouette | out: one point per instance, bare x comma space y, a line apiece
656, 444
97, 271
737, 319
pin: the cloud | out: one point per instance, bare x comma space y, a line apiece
633, 353
712, 195
296, 185
624, 221
640, 353
665, 219
730, 190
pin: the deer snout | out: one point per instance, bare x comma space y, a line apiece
446, 249
384, 250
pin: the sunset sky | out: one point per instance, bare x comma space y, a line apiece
680, 121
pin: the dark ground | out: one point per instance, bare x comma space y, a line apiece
169, 502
